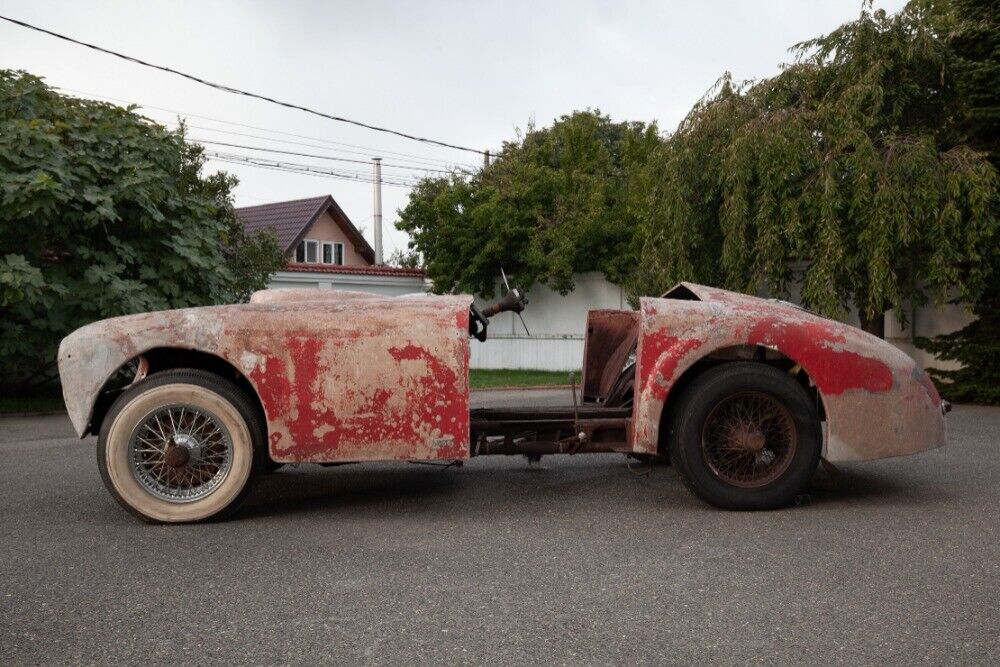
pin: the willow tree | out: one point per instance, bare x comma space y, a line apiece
845, 171
975, 40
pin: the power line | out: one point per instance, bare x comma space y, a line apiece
237, 91
313, 155
363, 175
296, 168
368, 150
305, 172
307, 145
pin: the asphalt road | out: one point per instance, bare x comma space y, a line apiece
578, 560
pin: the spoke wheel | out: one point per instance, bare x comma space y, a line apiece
181, 446
744, 436
180, 453
749, 439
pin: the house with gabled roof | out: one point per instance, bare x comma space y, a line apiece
325, 249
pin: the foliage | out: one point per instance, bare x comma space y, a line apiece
251, 260
406, 259
552, 204
102, 213
977, 348
975, 38
847, 163
846, 172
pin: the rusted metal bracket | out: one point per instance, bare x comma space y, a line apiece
581, 436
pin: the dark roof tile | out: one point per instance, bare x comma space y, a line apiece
291, 219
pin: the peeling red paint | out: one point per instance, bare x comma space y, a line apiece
341, 376
877, 401
659, 355
353, 377
814, 345
407, 352
430, 422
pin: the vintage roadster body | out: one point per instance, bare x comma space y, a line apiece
743, 394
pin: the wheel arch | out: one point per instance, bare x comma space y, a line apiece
164, 358
695, 365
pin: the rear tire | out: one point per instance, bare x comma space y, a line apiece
745, 436
181, 446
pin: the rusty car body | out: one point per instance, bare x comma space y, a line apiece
335, 377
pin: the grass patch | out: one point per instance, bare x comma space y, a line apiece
47, 400
482, 378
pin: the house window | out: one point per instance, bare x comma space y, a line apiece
307, 251
333, 253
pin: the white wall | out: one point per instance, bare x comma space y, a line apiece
556, 323
384, 285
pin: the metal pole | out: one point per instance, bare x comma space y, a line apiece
377, 215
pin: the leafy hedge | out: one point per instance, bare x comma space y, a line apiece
102, 213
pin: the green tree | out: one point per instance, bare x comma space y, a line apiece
849, 162
554, 202
406, 259
974, 36
102, 213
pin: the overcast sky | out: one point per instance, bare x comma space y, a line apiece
466, 73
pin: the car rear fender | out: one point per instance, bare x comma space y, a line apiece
877, 401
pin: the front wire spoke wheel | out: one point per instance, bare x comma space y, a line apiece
180, 453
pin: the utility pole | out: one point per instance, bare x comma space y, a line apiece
377, 214
486, 158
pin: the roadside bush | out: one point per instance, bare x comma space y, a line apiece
103, 213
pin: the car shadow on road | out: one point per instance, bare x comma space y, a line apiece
859, 486
296, 490
417, 490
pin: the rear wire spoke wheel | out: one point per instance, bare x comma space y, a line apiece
181, 446
745, 436
749, 439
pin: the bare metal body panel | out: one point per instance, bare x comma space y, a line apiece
878, 402
360, 378
355, 377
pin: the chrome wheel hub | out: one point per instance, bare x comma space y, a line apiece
180, 453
